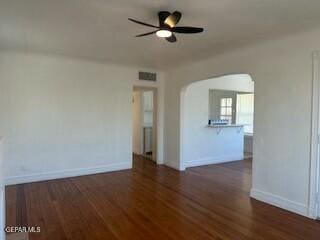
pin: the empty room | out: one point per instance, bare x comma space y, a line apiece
169, 120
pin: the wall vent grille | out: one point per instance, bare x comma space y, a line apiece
147, 76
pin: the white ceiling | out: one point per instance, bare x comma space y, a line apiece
99, 29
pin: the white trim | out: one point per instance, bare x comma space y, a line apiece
280, 202
214, 160
160, 162
136, 150
314, 189
174, 165
67, 173
181, 164
158, 128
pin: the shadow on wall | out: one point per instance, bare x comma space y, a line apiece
220, 98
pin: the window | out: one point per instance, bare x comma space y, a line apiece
245, 107
226, 109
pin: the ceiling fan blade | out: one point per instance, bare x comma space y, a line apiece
172, 38
173, 19
162, 17
142, 23
146, 34
187, 29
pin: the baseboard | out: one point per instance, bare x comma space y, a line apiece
67, 173
312, 213
174, 165
214, 160
137, 151
160, 162
280, 202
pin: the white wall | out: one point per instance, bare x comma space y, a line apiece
245, 111
203, 145
282, 72
2, 194
64, 117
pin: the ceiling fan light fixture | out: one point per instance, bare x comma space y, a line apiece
167, 26
164, 33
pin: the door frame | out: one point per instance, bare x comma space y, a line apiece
155, 126
314, 190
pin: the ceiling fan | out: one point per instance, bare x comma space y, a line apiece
167, 26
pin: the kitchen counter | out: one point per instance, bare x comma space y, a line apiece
219, 143
226, 126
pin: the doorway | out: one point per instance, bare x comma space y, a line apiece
217, 121
144, 122
314, 190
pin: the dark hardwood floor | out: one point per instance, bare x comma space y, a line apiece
154, 202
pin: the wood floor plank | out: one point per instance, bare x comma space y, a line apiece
79, 219
128, 198
115, 215
41, 212
202, 197
154, 202
227, 201
210, 222
11, 206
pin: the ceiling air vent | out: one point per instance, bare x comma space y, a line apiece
148, 76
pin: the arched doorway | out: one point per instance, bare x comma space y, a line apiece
201, 101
